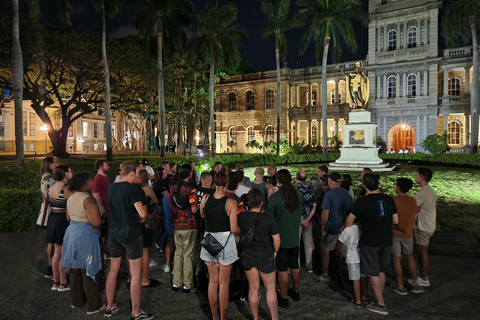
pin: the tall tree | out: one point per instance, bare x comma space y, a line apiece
329, 24
218, 35
167, 19
278, 21
461, 23
107, 8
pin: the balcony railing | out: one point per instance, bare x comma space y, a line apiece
458, 52
455, 99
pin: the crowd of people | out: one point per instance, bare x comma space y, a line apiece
223, 226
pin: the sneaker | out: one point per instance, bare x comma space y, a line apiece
102, 308
417, 289
294, 295
166, 268
243, 299
142, 316
49, 273
378, 309
397, 289
308, 270
282, 303
321, 278
152, 263
174, 289
112, 311
54, 287
421, 282
188, 292
66, 287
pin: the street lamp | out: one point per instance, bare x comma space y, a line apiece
44, 128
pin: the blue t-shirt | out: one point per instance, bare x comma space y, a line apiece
339, 202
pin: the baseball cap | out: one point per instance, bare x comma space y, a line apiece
336, 177
145, 162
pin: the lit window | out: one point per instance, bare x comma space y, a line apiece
454, 86
412, 37
391, 87
332, 96
411, 85
32, 124
269, 99
85, 129
250, 134
70, 131
95, 130
392, 40
454, 132
232, 135
232, 101
250, 97
314, 132
269, 133
24, 122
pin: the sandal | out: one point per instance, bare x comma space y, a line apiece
152, 284
55, 286
367, 301
353, 303
66, 287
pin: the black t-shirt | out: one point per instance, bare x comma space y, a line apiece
123, 219
201, 191
266, 226
375, 215
160, 187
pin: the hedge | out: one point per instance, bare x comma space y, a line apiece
19, 209
19, 178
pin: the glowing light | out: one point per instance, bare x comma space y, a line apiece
403, 126
44, 128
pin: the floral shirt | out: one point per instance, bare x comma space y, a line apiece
184, 219
308, 197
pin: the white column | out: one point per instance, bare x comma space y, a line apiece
445, 123
405, 84
425, 83
385, 37
320, 94
309, 131
319, 132
445, 82
296, 132
385, 86
425, 31
404, 34
467, 80
419, 32
337, 102
379, 38
425, 126
384, 133
467, 131
397, 85
297, 89
379, 87
290, 87
310, 94
418, 83
336, 127
417, 134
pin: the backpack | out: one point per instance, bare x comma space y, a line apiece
177, 200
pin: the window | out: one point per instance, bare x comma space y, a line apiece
101, 112
411, 85
412, 37
24, 123
454, 131
269, 133
32, 124
314, 95
232, 101
454, 86
332, 96
391, 87
392, 40
70, 131
232, 135
7, 93
250, 134
95, 130
250, 100
85, 129
2, 129
269, 99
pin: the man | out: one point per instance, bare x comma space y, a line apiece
247, 180
272, 174
403, 236
150, 171
336, 206
322, 170
100, 186
195, 174
126, 202
364, 172
425, 224
204, 188
140, 165
308, 210
216, 168
376, 213
241, 189
184, 202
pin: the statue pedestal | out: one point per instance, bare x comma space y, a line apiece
359, 148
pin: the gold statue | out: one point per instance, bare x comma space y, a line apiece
358, 87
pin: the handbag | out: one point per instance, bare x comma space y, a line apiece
212, 245
246, 239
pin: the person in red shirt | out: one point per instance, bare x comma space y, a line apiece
100, 185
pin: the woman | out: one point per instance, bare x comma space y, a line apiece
220, 215
58, 223
232, 186
319, 190
258, 259
82, 252
48, 166
261, 185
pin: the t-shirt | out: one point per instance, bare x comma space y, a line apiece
240, 206
349, 237
184, 219
427, 209
288, 223
160, 187
262, 187
308, 197
100, 185
123, 219
375, 215
241, 190
338, 202
407, 210
201, 191
265, 228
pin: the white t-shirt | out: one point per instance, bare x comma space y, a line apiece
241, 190
349, 237
427, 209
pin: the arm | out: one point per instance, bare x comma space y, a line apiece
231, 207
68, 217
276, 243
93, 214
99, 203
350, 219
310, 216
395, 218
149, 192
193, 201
202, 206
325, 214
142, 210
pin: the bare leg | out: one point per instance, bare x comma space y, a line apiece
364, 285
397, 270
325, 261
357, 291
269, 283
111, 284
50, 252
213, 275
423, 259
283, 283
145, 266
136, 284
169, 248
224, 282
377, 285
295, 279
59, 274
412, 268
253, 285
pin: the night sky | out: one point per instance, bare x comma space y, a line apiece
258, 52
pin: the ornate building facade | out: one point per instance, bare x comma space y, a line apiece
416, 90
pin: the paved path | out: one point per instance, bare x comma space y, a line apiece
26, 294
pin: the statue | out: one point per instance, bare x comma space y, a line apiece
358, 87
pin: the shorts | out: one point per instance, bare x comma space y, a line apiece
229, 253
353, 271
401, 245
134, 249
287, 258
421, 238
264, 265
374, 260
56, 227
329, 242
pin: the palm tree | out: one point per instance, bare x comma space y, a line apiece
461, 22
277, 22
218, 35
167, 19
329, 23
110, 8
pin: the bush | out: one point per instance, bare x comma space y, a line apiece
19, 209
19, 178
436, 144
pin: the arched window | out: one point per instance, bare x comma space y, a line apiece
269, 99
250, 97
232, 101
392, 40
250, 134
314, 132
412, 37
454, 132
411, 85
269, 133
391, 87
454, 86
232, 135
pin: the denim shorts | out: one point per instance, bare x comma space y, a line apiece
228, 255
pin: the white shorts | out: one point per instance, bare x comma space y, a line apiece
228, 255
353, 271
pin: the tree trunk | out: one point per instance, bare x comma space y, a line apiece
326, 45
212, 111
17, 77
474, 103
108, 114
161, 96
59, 142
279, 98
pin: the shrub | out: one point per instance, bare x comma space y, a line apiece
19, 209
436, 144
19, 178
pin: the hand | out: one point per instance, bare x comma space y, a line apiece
305, 223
